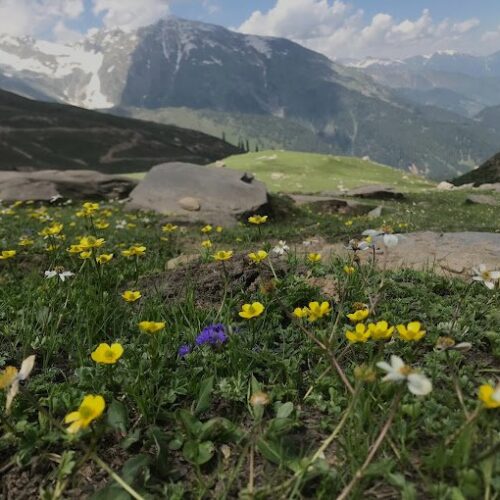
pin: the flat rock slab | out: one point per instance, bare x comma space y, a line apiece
215, 195
331, 204
444, 253
45, 185
481, 199
376, 191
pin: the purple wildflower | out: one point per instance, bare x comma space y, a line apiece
184, 350
213, 335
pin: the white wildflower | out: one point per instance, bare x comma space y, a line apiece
486, 276
397, 371
281, 248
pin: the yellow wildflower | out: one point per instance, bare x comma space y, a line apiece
52, 230
249, 311
360, 334
88, 242
86, 254
131, 295
11, 377
314, 257
258, 219
359, 315
412, 332
101, 224
258, 257
380, 330
169, 228
134, 251
90, 409
24, 241
219, 229
151, 326
206, 244
7, 254
206, 229
317, 310
104, 258
107, 354
301, 312
222, 255
490, 396
349, 269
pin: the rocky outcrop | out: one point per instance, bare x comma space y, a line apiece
193, 193
47, 185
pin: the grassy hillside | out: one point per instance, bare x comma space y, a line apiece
42, 135
487, 173
288, 171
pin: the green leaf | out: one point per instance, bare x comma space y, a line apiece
131, 439
111, 492
190, 423
219, 428
198, 453
134, 467
271, 450
117, 416
205, 395
285, 410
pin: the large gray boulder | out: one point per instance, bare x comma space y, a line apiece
45, 185
376, 191
194, 193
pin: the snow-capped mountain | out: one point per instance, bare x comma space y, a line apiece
459, 82
180, 64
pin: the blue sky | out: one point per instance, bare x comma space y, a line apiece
338, 28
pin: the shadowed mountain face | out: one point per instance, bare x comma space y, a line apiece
40, 135
200, 67
487, 173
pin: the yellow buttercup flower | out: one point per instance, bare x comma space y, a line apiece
301, 312
258, 219
104, 258
348, 223
101, 224
380, 330
25, 242
151, 326
206, 244
206, 229
249, 311
169, 228
86, 254
219, 229
90, 409
107, 354
349, 269
490, 396
52, 230
51, 248
135, 251
93, 207
75, 249
360, 334
314, 257
223, 255
258, 257
131, 295
317, 310
88, 242
412, 332
7, 254
359, 315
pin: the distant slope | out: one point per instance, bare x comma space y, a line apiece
287, 171
261, 131
487, 173
42, 135
490, 119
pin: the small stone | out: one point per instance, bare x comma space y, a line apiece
190, 204
375, 213
182, 260
445, 186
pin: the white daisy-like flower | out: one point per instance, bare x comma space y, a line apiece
63, 275
398, 371
55, 198
121, 224
486, 276
359, 245
281, 248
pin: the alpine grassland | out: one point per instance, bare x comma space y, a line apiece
144, 358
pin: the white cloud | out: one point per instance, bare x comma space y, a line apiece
130, 14
33, 17
339, 30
